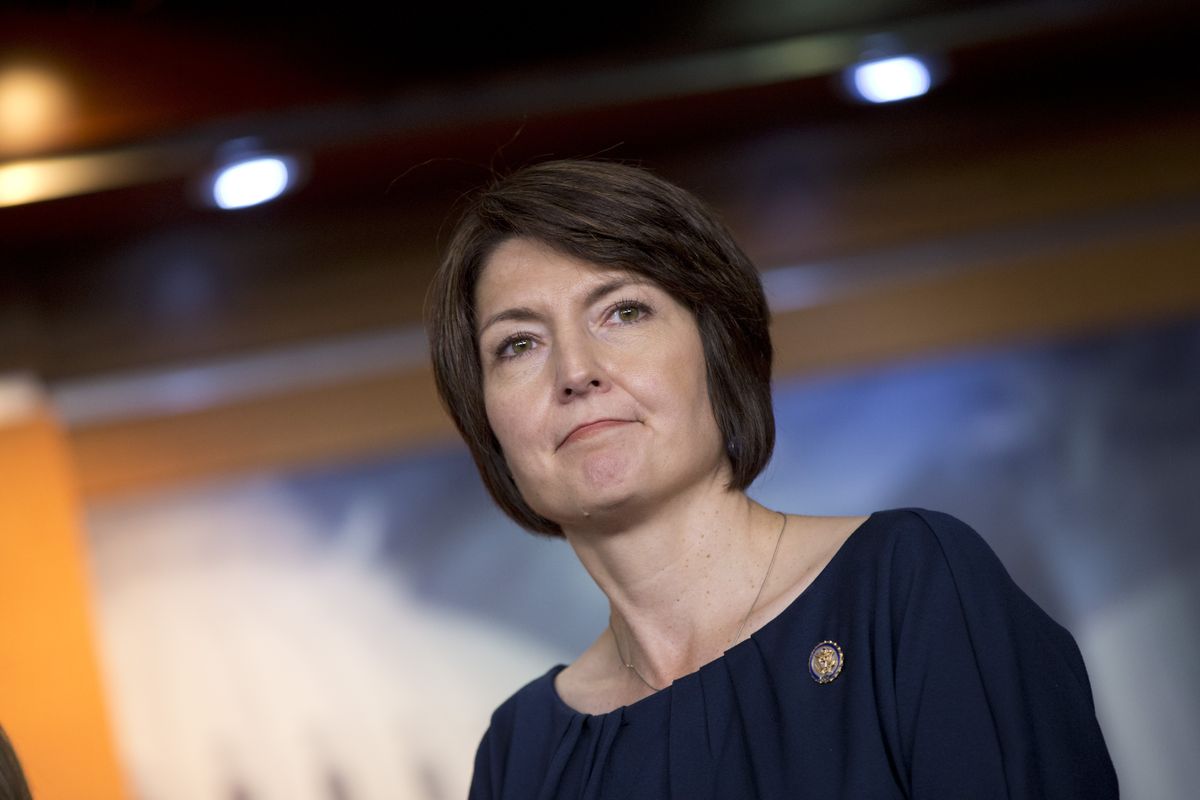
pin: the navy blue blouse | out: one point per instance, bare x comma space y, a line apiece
950, 683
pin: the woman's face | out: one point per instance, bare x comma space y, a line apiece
564, 344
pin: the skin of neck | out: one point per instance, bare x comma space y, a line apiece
681, 576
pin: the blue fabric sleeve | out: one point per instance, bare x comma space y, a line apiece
992, 696
492, 754
482, 778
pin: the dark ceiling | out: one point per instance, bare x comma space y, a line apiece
398, 113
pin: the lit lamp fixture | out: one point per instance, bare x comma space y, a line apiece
37, 108
253, 180
887, 80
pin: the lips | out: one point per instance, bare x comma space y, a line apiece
589, 428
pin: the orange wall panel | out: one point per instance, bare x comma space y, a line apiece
51, 695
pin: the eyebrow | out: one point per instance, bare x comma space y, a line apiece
526, 314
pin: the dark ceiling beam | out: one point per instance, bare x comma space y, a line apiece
550, 91
832, 194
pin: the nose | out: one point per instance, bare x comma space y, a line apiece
578, 371
570, 389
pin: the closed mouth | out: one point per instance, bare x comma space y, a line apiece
587, 427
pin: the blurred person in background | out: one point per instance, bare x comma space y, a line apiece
12, 780
602, 344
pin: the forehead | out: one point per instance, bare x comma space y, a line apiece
521, 270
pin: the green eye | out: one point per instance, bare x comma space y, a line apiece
627, 311
514, 346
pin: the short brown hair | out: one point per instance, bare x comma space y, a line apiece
611, 215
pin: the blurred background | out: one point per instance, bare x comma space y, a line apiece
244, 555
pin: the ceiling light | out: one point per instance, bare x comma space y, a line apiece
252, 181
890, 79
35, 108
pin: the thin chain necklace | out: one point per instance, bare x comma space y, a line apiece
736, 637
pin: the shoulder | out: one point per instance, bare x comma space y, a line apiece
952, 604
851, 568
529, 708
948, 536
911, 541
506, 745
925, 542
990, 691
941, 572
533, 697
929, 565
912, 526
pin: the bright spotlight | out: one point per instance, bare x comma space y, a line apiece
890, 79
250, 182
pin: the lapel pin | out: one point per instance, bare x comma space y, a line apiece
825, 662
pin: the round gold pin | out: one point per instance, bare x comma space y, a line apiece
825, 662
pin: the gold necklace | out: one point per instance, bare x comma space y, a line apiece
738, 635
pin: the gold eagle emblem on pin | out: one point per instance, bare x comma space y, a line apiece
825, 662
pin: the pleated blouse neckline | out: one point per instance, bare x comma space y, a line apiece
762, 634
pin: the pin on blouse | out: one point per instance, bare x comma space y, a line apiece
825, 662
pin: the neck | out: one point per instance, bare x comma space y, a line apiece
681, 580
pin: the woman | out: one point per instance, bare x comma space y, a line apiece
602, 344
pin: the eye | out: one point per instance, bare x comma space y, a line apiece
628, 311
515, 346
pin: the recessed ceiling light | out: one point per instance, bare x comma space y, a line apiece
252, 181
890, 79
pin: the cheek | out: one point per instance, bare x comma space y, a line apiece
686, 394
515, 426
677, 380
505, 422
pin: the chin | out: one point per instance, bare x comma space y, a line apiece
607, 484
593, 504
606, 471
608, 505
